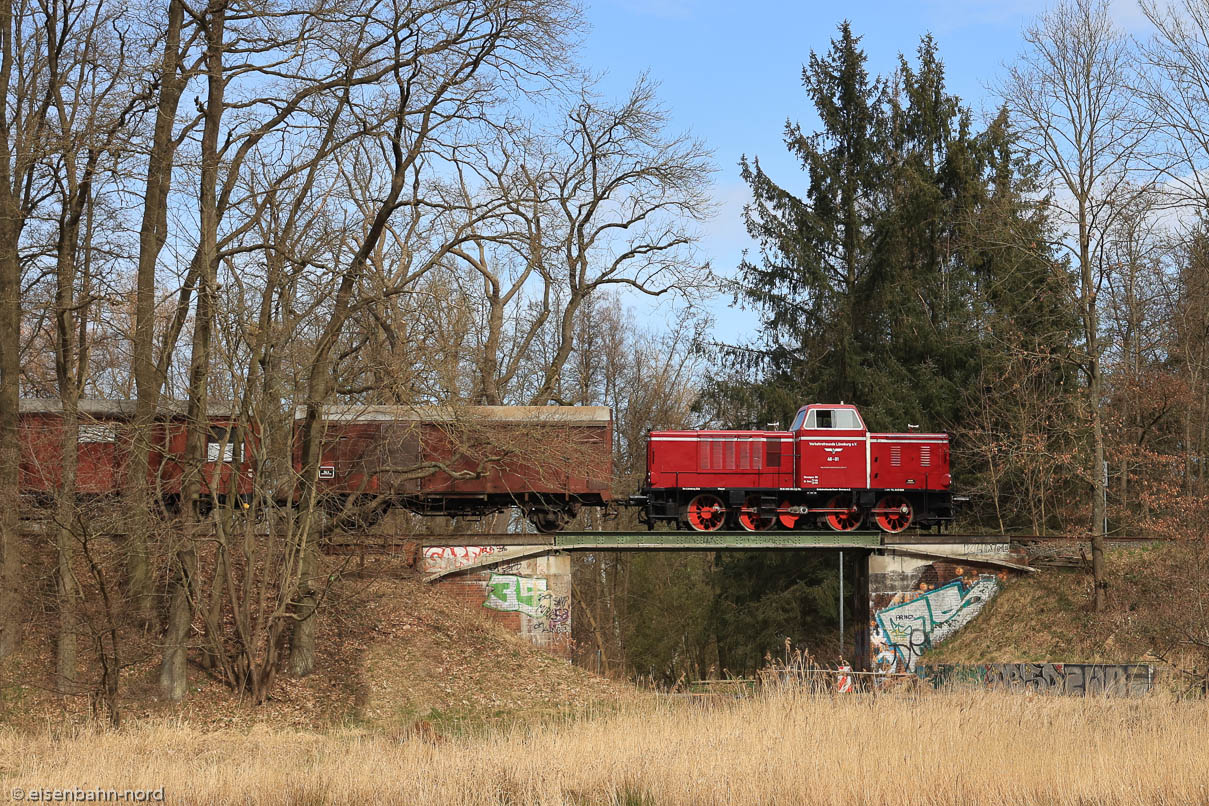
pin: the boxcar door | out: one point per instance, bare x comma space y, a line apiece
832, 450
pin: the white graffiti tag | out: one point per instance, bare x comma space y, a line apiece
515, 594
448, 558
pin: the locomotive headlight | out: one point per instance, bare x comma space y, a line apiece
946, 480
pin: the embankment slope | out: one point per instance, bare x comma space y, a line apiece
1158, 609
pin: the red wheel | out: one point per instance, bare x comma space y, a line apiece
844, 516
787, 518
751, 519
893, 513
706, 513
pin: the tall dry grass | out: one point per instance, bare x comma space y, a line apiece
946, 748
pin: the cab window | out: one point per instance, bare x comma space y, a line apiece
797, 421
834, 418
819, 418
846, 418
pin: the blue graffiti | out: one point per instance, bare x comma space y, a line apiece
913, 627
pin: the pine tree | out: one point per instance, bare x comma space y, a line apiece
816, 278
915, 266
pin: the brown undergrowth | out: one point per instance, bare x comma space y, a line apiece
393, 654
781, 748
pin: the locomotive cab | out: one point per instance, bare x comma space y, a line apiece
831, 445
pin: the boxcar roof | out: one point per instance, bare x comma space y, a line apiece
116, 409
89, 408
562, 415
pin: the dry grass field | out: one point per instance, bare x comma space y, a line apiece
902, 749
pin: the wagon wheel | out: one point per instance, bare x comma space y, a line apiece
788, 519
551, 519
706, 513
751, 519
846, 516
893, 513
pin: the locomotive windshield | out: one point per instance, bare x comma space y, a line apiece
797, 421
833, 418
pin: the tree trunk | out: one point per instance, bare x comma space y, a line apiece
302, 645
565, 344
173, 680
147, 380
1091, 331
173, 668
10, 340
10, 457
66, 590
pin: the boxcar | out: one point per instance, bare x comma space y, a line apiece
473, 460
106, 436
102, 448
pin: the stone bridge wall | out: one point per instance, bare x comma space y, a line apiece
916, 601
531, 597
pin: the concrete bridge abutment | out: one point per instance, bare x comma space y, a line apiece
907, 595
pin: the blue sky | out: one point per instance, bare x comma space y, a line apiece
730, 73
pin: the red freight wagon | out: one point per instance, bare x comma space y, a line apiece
102, 447
548, 460
228, 469
827, 467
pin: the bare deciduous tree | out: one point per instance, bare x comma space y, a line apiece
1070, 96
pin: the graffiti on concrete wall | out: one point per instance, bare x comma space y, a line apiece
547, 612
918, 620
449, 558
553, 614
1120, 679
515, 594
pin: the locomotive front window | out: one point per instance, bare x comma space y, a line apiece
819, 418
846, 418
797, 421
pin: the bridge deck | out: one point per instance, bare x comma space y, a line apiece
702, 541
518, 547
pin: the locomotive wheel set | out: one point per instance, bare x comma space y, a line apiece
826, 470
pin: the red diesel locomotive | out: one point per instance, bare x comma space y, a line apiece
827, 467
